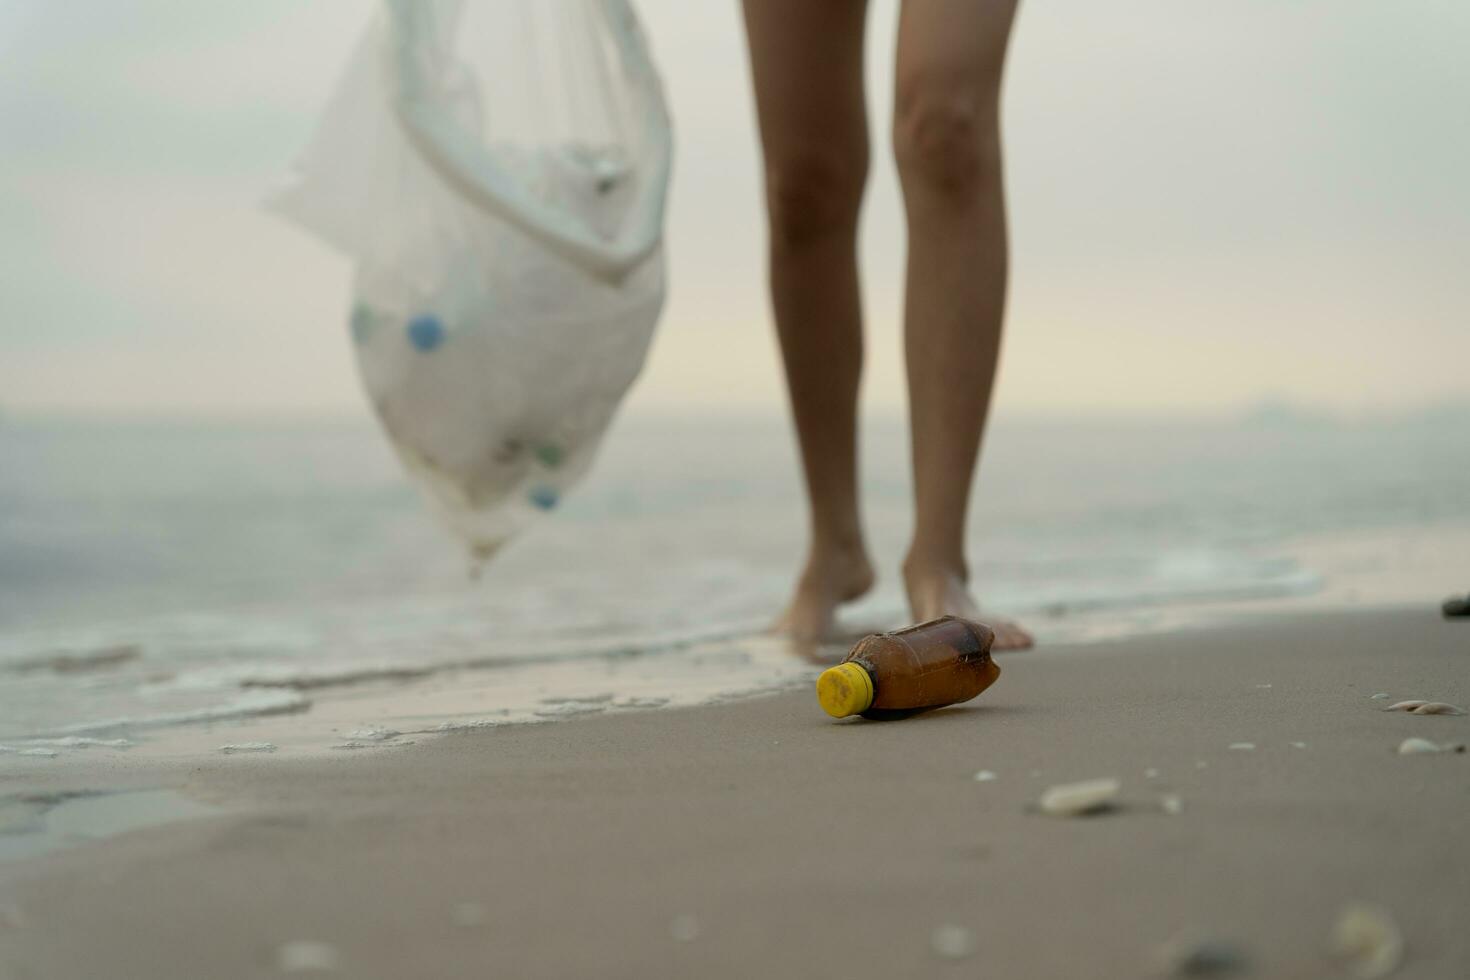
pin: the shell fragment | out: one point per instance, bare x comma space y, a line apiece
1417, 746
1426, 708
1367, 941
1079, 799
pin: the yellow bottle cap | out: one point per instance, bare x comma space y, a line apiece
846, 689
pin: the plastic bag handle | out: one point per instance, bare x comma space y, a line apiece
463, 161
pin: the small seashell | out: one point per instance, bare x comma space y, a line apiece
1415, 746
307, 955
1437, 708
1380, 696
952, 942
1367, 941
1243, 746
984, 776
1172, 804
1077, 799
1406, 706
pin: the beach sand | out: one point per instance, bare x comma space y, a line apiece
761, 838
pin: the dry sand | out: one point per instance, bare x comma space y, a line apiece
763, 839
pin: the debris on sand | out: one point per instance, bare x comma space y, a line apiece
952, 942
1367, 941
1192, 955
307, 956
1426, 708
984, 776
1438, 708
1242, 746
1380, 696
1172, 804
1416, 746
1079, 799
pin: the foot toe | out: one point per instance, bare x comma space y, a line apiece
1009, 637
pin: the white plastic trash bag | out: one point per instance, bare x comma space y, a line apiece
497, 170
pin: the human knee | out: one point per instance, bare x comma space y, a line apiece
946, 139
813, 195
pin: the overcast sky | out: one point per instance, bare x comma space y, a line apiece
1213, 202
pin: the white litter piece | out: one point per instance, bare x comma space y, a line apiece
1172, 804
308, 956
984, 776
1298, 745
235, 747
1380, 696
952, 942
1243, 746
497, 172
1079, 799
1150, 774
1367, 941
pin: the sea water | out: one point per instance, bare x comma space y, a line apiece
176, 574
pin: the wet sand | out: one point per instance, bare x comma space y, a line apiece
760, 838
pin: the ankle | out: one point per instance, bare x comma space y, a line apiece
841, 543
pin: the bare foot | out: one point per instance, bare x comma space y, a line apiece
831, 577
940, 592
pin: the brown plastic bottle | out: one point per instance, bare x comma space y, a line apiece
894, 675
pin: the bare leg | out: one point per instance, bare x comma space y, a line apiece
946, 134
807, 62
